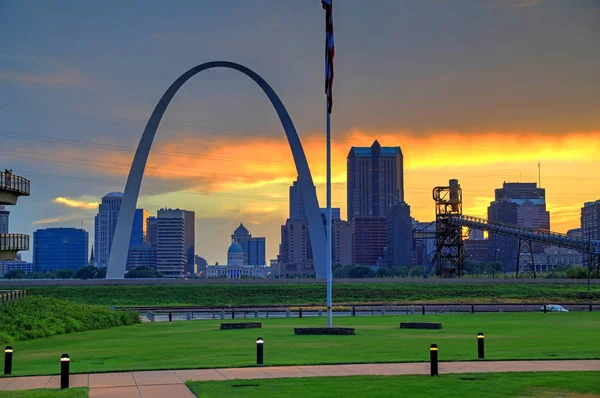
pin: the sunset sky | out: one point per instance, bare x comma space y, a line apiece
475, 90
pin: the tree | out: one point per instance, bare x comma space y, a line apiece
66, 273
143, 272
87, 272
577, 273
360, 271
101, 273
383, 272
15, 274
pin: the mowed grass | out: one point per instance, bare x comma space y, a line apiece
200, 344
46, 393
289, 294
518, 384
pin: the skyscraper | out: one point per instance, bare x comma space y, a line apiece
590, 220
60, 248
295, 250
4, 220
399, 235
531, 202
531, 206
369, 238
502, 248
375, 180
139, 228
297, 208
105, 224
253, 247
175, 232
152, 231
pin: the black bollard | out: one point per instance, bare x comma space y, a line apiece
170, 317
64, 371
299, 312
423, 310
480, 348
544, 308
8, 353
259, 351
232, 313
472, 309
353, 311
433, 359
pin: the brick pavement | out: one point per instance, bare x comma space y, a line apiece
171, 383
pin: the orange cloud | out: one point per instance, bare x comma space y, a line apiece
235, 170
76, 203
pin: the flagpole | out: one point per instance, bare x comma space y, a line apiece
329, 242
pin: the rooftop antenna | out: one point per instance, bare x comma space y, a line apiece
539, 175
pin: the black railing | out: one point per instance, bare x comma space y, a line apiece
11, 182
14, 242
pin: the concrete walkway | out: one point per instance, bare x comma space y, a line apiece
170, 383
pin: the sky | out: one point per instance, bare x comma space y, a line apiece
479, 91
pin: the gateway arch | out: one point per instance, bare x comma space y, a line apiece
120, 246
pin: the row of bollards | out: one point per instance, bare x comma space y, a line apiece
65, 361
433, 354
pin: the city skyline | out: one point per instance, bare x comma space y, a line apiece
476, 106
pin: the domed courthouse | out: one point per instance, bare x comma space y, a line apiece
237, 267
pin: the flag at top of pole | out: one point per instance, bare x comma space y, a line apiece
329, 52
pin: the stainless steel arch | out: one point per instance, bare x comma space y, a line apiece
120, 246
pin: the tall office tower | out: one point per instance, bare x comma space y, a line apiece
341, 238
399, 235
190, 240
295, 251
4, 220
175, 232
369, 238
152, 231
171, 257
297, 208
60, 248
501, 248
139, 230
531, 202
105, 224
375, 180
253, 247
590, 220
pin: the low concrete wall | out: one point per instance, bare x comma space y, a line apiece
5, 283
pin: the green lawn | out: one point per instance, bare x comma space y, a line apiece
268, 294
200, 344
46, 393
551, 384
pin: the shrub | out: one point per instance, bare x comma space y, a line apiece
37, 316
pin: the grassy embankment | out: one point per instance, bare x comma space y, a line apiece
35, 317
200, 344
269, 294
521, 384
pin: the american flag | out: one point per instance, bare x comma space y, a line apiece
329, 52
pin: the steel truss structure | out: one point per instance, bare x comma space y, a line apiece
450, 251
526, 236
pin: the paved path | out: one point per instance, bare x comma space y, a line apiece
170, 383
